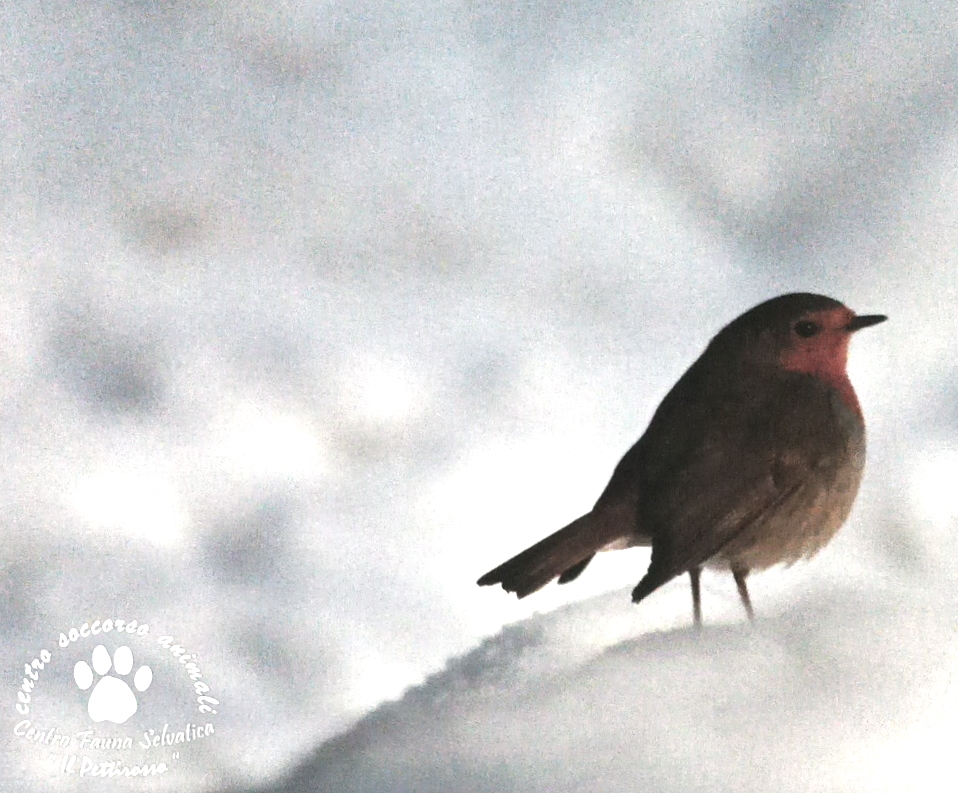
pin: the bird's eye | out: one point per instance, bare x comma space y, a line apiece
806, 329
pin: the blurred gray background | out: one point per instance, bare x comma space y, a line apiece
312, 312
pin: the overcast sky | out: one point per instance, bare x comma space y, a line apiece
311, 313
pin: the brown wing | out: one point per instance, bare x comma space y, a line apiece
730, 465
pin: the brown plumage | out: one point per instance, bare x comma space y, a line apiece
753, 459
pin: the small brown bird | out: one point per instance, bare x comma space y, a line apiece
753, 459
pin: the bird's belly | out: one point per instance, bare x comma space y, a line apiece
795, 532
804, 523
632, 541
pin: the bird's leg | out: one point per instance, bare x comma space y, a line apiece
740, 576
694, 574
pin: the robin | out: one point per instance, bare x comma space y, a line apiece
753, 459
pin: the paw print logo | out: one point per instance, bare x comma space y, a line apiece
112, 698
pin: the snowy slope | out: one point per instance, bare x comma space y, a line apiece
849, 690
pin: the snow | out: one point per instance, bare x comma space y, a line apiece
848, 689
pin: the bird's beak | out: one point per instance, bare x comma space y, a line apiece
864, 321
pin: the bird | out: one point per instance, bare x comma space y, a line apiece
753, 459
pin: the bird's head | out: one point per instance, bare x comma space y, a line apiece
798, 332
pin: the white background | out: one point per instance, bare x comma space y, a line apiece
311, 313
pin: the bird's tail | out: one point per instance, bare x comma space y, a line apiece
564, 554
